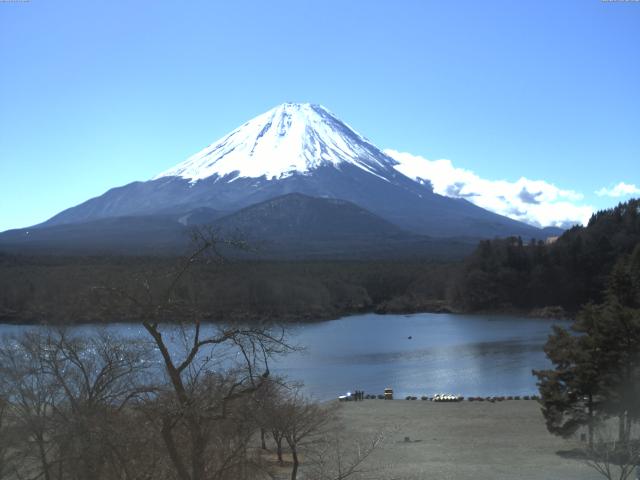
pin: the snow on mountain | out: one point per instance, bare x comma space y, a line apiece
296, 148
290, 138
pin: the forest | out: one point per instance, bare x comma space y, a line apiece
509, 274
69, 289
501, 275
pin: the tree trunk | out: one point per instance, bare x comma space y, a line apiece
279, 451
198, 444
628, 423
278, 441
590, 424
294, 470
263, 442
621, 425
43, 458
174, 456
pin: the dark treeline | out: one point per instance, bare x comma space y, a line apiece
507, 274
501, 275
69, 289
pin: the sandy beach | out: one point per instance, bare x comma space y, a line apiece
466, 440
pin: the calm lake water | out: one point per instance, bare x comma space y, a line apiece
460, 354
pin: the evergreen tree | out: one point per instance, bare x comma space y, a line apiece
569, 272
571, 391
596, 372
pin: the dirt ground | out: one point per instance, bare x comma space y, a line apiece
466, 440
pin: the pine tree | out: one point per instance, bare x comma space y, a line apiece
596, 372
570, 392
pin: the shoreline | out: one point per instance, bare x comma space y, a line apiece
540, 313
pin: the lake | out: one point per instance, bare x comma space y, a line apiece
470, 355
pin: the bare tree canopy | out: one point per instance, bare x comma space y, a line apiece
193, 401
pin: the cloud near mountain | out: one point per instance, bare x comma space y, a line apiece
620, 190
536, 202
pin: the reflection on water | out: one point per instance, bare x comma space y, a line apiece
510, 347
460, 354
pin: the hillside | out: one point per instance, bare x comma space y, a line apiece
574, 270
293, 226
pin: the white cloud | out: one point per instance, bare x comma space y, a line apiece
620, 190
533, 201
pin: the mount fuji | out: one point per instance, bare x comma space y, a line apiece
293, 148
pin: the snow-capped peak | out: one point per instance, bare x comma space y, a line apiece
290, 138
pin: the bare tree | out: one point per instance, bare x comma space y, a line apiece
314, 431
208, 369
611, 458
264, 408
65, 396
97, 379
303, 423
187, 403
334, 459
7, 451
31, 399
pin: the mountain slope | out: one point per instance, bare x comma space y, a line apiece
299, 148
129, 234
290, 226
297, 216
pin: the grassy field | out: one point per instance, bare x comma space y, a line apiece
505, 440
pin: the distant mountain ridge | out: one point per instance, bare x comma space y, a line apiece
293, 148
290, 226
299, 216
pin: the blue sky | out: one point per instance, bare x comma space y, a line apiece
98, 94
